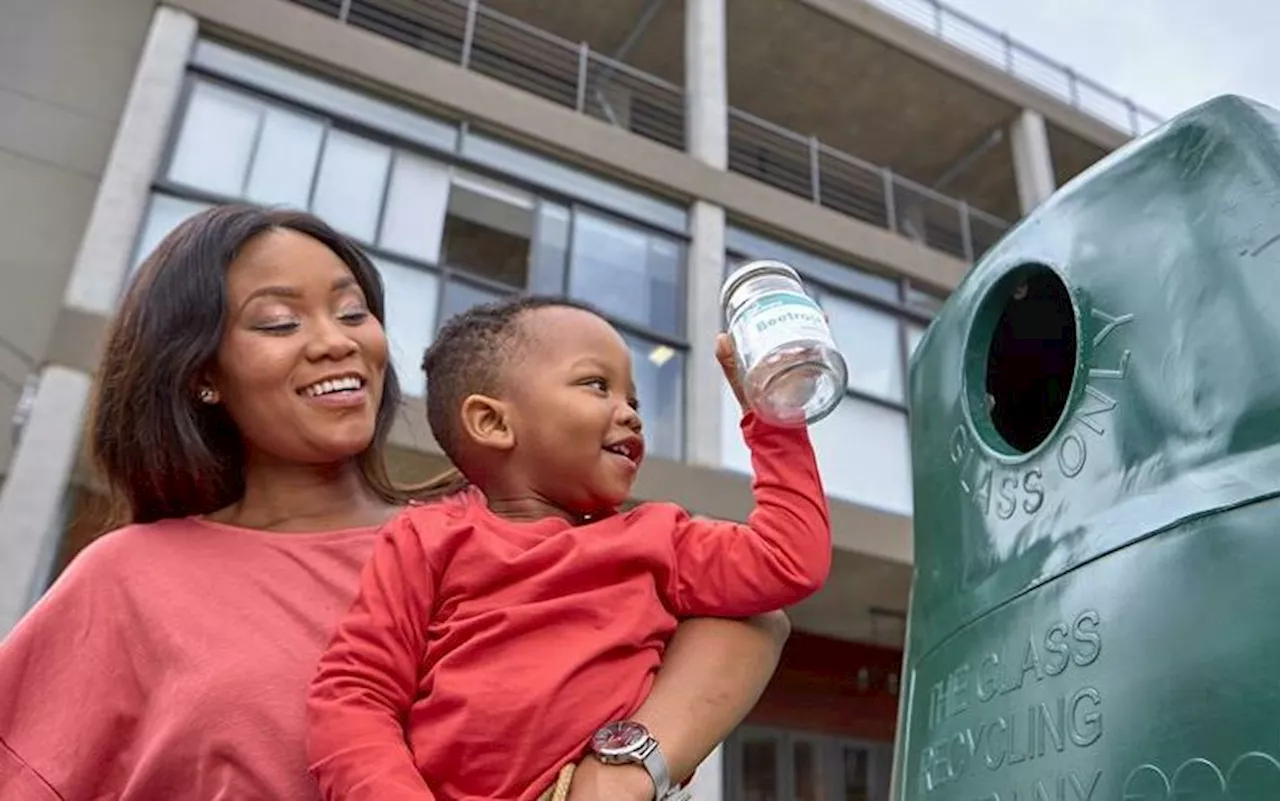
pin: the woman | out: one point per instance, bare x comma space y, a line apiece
242, 410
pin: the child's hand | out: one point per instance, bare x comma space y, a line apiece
728, 359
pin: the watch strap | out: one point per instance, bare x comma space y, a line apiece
655, 762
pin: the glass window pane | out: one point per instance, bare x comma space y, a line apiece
462, 295
411, 300
216, 141
659, 376
869, 341
627, 272
807, 765
488, 229
348, 191
733, 451
285, 161
915, 333
863, 455
165, 213
549, 251
923, 300
856, 784
413, 223
760, 770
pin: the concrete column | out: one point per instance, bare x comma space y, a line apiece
35, 486
1032, 160
707, 138
45, 457
706, 82
702, 373
708, 782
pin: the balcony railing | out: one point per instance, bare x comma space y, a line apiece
494, 44
1024, 63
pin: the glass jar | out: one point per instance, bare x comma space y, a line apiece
791, 372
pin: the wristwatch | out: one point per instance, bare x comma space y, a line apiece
627, 741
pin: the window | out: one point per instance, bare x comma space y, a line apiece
165, 213
460, 295
348, 193
863, 452
215, 145
414, 215
760, 776
765, 764
659, 375
868, 339
628, 272
488, 229
915, 333
411, 298
285, 160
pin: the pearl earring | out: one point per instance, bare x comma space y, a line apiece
208, 395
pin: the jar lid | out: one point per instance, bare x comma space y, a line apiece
753, 269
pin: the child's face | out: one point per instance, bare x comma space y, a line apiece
573, 411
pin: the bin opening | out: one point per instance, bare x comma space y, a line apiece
1030, 358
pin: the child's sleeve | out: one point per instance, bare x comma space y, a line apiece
780, 556
360, 697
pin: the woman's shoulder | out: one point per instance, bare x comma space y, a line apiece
133, 551
129, 541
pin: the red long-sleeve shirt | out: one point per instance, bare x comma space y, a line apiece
481, 653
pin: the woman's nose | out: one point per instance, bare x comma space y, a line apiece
331, 341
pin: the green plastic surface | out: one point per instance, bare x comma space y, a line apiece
1098, 618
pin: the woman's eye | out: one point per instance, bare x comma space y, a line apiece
354, 316
277, 326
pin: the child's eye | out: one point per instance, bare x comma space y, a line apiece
597, 383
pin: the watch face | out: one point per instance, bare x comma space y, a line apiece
619, 738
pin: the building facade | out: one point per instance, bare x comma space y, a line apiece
627, 153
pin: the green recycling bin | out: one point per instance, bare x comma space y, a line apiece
1095, 430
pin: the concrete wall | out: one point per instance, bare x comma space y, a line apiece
65, 70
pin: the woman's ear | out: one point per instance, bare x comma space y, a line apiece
486, 422
206, 391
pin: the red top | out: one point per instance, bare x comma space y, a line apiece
170, 661
482, 653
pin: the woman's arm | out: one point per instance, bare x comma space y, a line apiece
712, 675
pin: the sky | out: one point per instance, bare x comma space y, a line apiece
1168, 55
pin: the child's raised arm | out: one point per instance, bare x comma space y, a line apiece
368, 677
780, 556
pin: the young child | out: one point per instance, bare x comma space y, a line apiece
497, 629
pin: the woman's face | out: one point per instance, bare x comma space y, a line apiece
301, 364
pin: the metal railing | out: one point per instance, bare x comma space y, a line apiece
806, 167
571, 74
1024, 63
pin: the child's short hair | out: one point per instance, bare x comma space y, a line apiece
469, 355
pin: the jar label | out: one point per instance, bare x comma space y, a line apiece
776, 319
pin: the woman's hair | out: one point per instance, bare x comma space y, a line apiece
469, 356
162, 452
